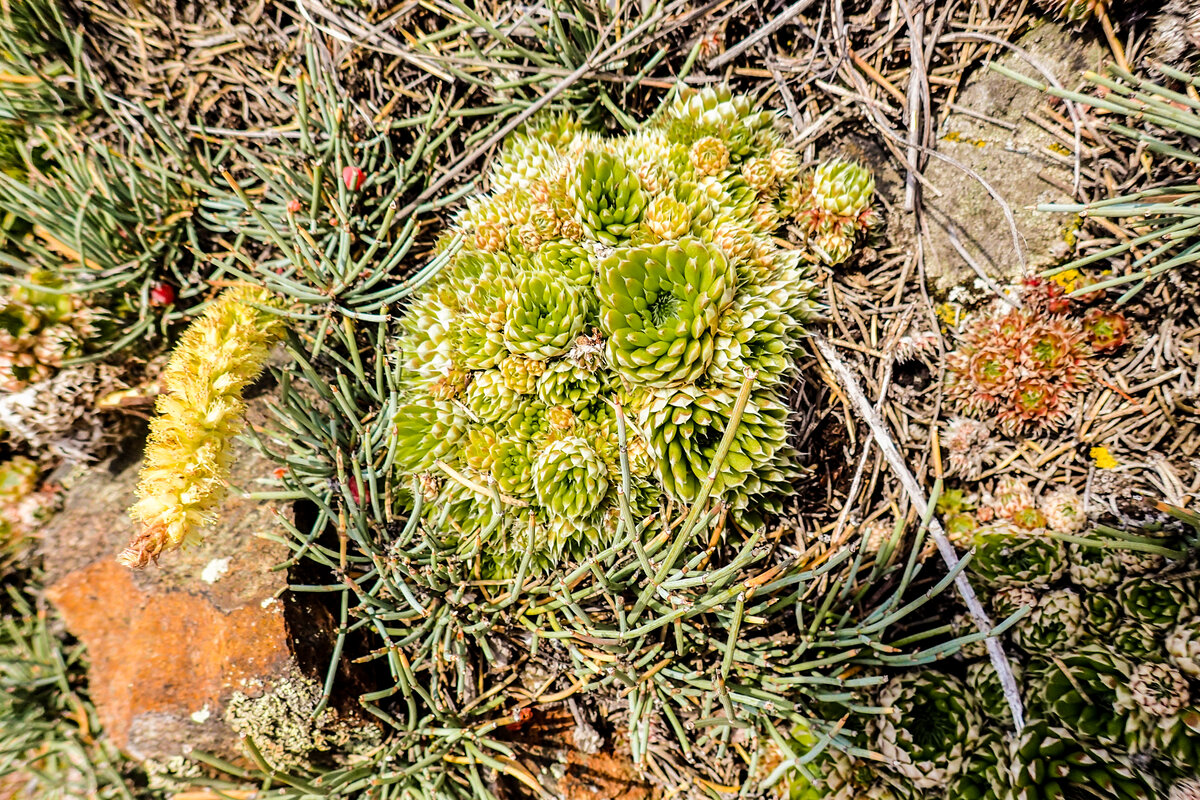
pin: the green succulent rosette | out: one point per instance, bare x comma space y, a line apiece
567, 259
521, 373
487, 297
667, 218
1161, 695
752, 335
1004, 557
834, 246
565, 384
460, 504
932, 724
1093, 567
512, 466
1136, 641
1159, 691
708, 157
471, 269
519, 167
1007, 600
833, 775
1182, 646
478, 345
1104, 613
759, 175
718, 112
530, 422
984, 775
1176, 738
545, 315
1081, 692
984, 684
785, 164
1056, 623
609, 201
1160, 602
488, 397
781, 279
660, 306
736, 201
657, 159
528, 156
1140, 562
1051, 763
479, 451
427, 346
740, 245
843, 188
570, 479
684, 428
426, 430
574, 537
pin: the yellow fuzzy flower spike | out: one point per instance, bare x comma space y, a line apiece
186, 466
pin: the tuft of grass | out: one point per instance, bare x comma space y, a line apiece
1164, 220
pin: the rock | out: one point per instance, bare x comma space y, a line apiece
1013, 160
173, 646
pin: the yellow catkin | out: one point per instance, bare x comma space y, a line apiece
186, 468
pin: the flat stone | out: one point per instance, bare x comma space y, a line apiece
172, 645
1013, 160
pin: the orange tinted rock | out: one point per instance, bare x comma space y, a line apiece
171, 645
163, 664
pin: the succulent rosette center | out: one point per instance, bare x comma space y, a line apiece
546, 315
609, 201
570, 479
659, 307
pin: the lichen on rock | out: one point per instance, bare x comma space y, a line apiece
282, 725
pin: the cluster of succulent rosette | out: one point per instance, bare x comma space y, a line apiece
614, 295
1026, 366
22, 504
41, 327
1106, 654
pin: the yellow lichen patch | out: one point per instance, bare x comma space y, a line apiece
955, 136
1070, 231
950, 313
1069, 280
1102, 458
